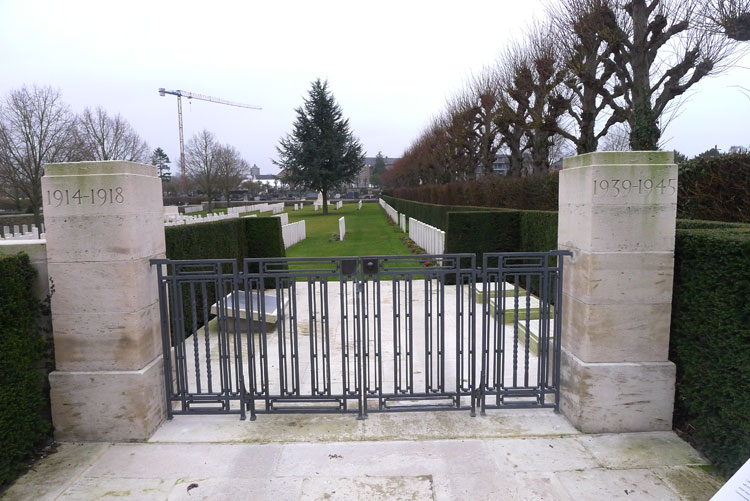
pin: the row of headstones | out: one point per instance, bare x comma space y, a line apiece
275, 208
426, 236
293, 233
189, 209
317, 205
392, 213
284, 218
22, 232
180, 220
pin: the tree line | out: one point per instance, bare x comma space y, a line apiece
593, 74
37, 127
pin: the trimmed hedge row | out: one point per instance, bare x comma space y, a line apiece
481, 231
22, 401
432, 214
710, 340
251, 237
230, 239
715, 188
524, 193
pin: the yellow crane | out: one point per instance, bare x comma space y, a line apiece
192, 95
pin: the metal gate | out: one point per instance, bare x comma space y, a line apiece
369, 334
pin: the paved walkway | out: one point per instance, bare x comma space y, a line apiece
518, 454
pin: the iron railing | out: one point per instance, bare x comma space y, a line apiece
369, 334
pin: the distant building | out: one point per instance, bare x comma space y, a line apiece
736, 150
364, 178
268, 179
500, 166
254, 172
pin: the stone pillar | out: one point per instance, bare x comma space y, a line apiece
104, 222
617, 215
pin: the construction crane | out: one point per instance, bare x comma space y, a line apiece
192, 95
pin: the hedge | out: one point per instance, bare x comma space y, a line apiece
538, 230
715, 188
485, 231
251, 237
710, 341
230, 239
524, 193
432, 214
22, 401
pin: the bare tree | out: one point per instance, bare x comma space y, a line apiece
484, 96
532, 102
730, 17
231, 169
514, 105
36, 128
659, 49
579, 31
617, 139
201, 164
104, 137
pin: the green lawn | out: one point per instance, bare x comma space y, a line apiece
367, 232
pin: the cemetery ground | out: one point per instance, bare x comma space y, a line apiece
367, 232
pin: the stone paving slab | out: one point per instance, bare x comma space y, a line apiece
564, 467
378, 426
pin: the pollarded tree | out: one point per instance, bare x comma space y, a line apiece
321, 152
660, 49
585, 46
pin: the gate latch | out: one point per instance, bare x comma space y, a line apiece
370, 266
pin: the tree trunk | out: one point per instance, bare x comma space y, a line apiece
325, 201
540, 152
644, 131
36, 204
587, 141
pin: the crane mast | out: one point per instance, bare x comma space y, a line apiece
192, 95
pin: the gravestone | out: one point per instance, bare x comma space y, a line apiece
617, 215
104, 223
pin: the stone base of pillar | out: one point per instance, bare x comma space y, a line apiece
617, 397
108, 406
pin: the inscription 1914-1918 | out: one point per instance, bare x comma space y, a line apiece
102, 196
624, 187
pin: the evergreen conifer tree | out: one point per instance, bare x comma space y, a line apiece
321, 152
161, 161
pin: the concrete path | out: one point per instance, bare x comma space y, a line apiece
519, 454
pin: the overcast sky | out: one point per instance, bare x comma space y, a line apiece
390, 64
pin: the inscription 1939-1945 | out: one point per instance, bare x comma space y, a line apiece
102, 196
624, 187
